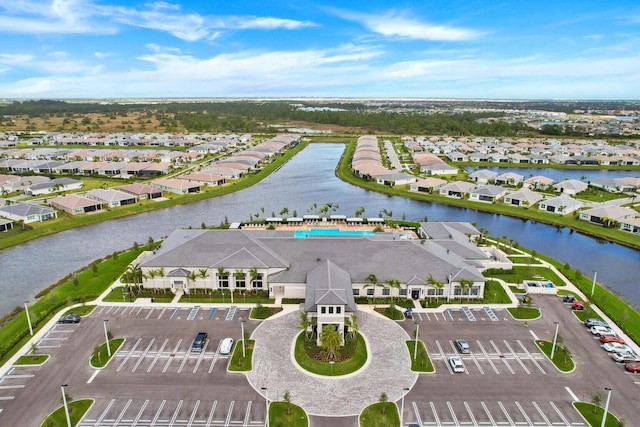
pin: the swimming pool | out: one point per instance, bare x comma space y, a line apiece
301, 234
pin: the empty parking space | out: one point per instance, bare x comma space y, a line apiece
466, 314
56, 336
161, 356
14, 381
191, 313
155, 413
500, 413
499, 357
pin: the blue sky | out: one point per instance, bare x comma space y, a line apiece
495, 49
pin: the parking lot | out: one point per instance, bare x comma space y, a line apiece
156, 380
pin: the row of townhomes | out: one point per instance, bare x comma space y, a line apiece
215, 173
326, 271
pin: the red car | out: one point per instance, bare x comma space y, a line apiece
633, 367
611, 338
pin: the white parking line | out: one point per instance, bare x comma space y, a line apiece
501, 356
186, 356
228, 420
533, 334
149, 313
11, 387
546, 420
524, 414
486, 355
93, 376
193, 413
157, 356
475, 360
531, 356
486, 410
571, 393
143, 355
440, 350
246, 415
213, 361
124, 410
553, 405
516, 357
506, 414
171, 357
105, 412
128, 354
418, 314
213, 410
204, 349
7, 398
175, 413
157, 415
418, 419
162, 312
473, 419
453, 414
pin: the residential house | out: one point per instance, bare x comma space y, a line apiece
607, 215
456, 189
176, 186
509, 178
204, 178
75, 204
631, 225
538, 182
560, 205
6, 224
487, 193
57, 185
27, 212
523, 197
570, 186
483, 176
142, 191
112, 198
427, 185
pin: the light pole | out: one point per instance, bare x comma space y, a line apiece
26, 309
606, 406
242, 321
266, 400
555, 338
593, 285
405, 390
331, 362
415, 347
106, 337
64, 403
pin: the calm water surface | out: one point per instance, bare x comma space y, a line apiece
585, 175
307, 179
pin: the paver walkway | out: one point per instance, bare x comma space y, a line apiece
388, 369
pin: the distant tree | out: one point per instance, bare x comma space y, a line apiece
383, 399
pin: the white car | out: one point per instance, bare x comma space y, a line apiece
456, 364
601, 330
616, 347
625, 357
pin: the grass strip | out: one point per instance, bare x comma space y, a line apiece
380, 414
239, 363
261, 312
561, 357
100, 356
593, 414
421, 362
32, 359
285, 414
77, 409
524, 313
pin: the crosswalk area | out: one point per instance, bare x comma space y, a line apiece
160, 356
513, 414
195, 312
174, 413
491, 357
465, 314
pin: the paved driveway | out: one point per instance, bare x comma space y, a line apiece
388, 369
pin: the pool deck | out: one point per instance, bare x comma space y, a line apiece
328, 224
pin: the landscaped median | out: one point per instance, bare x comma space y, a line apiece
77, 409
561, 356
524, 313
240, 363
100, 357
420, 360
382, 413
309, 356
32, 360
285, 414
593, 415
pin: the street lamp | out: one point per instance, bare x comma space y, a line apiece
106, 337
555, 338
405, 390
66, 407
331, 362
606, 406
415, 347
266, 399
593, 285
26, 308
242, 321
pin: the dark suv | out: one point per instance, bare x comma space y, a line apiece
199, 342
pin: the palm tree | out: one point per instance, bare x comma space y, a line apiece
284, 211
222, 273
287, 401
432, 281
393, 284
133, 275
352, 323
305, 323
203, 274
383, 400
465, 284
373, 281
192, 277
330, 339
359, 211
253, 275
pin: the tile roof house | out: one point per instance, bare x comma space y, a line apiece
112, 198
561, 205
176, 186
427, 185
457, 189
75, 204
483, 176
487, 193
142, 191
570, 186
607, 215
523, 197
54, 186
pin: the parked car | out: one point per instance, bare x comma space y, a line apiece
198, 342
408, 313
592, 321
625, 357
569, 298
611, 338
614, 347
456, 364
601, 330
633, 367
226, 345
462, 346
70, 318
577, 305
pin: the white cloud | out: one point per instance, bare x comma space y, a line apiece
267, 23
397, 25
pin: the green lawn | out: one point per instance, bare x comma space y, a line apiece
561, 359
327, 369
595, 420
421, 362
516, 290
239, 363
519, 274
523, 259
261, 313
380, 415
391, 312
83, 310
524, 313
100, 358
32, 359
77, 409
295, 416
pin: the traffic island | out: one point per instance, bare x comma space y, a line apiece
524, 313
314, 359
32, 360
382, 413
240, 362
420, 360
287, 414
100, 357
77, 409
593, 415
561, 356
